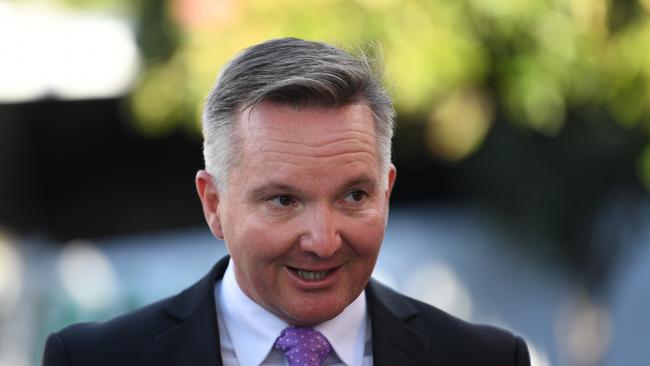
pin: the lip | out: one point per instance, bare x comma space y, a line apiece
311, 285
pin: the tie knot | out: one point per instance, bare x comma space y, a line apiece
303, 346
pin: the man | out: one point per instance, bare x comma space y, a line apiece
297, 183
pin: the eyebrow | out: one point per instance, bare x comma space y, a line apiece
272, 187
361, 181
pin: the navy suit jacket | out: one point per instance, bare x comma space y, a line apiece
182, 330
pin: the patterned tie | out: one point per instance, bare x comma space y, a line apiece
303, 346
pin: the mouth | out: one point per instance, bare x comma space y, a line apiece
307, 275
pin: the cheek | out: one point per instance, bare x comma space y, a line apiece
258, 239
366, 237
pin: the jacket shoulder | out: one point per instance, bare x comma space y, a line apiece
453, 340
130, 336
474, 342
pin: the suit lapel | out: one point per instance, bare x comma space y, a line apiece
393, 341
195, 340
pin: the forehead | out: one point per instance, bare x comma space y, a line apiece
315, 131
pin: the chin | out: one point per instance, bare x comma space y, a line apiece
310, 320
308, 316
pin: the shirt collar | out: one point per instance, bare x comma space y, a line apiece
347, 331
253, 329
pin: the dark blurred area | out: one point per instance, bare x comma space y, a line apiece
77, 169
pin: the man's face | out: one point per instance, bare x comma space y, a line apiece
305, 210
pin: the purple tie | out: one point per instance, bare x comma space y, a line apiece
303, 346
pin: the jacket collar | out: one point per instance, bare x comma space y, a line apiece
394, 342
195, 340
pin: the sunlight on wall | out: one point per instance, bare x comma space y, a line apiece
11, 275
87, 276
49, 51
437, 284
12, 334
584, 330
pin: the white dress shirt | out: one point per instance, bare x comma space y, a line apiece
247, 331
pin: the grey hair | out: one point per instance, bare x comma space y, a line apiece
292, 72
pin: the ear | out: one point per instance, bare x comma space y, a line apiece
392, 174
209, 195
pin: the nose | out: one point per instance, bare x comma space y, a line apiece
322, 236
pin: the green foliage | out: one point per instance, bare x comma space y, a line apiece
534, 62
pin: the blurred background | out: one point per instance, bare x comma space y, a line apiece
522, 149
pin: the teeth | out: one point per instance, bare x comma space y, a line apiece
312, 276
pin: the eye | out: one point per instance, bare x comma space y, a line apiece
356, 196
281, 201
